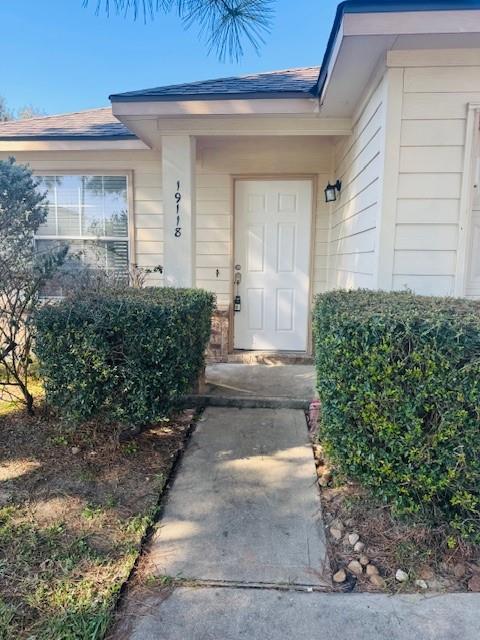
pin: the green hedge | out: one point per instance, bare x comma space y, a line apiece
399, 381
127, 356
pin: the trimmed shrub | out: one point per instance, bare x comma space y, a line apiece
126, 356
399, 381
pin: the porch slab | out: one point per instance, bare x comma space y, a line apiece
231, 614
293, 381
244, 507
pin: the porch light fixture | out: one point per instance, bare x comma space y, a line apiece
331, 191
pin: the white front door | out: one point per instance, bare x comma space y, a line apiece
272, 251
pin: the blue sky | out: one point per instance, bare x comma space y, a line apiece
61, 57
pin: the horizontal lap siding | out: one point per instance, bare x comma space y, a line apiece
353, 219
147, 191
434, 110
217, 162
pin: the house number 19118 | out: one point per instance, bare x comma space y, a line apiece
178, 198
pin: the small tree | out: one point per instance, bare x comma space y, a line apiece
23, 273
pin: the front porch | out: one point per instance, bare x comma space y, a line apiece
208, 233
243, 204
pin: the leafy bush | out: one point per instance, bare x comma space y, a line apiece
399, 381
23, 274
127, 356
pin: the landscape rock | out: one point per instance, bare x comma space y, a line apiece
421, 584
426, 573
353, 538
318, 450
401, 575
5, 497
474, 583
355, 567
377, 581
358, 547
459, 570
75, 450
363, 559
335, 533
337, 524
340, 576
371, 570
325, 479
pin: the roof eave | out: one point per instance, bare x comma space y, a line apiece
185, 97
65, 138
365, 6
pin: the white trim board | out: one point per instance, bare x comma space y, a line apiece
472, 140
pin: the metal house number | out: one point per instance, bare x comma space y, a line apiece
178, 198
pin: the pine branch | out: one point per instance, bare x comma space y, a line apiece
225, 24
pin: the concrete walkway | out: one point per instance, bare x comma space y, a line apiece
267, 614
242, 527
245, 506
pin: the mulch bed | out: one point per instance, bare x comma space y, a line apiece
75, 503
423, 553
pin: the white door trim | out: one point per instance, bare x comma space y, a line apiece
308, 177
472, 142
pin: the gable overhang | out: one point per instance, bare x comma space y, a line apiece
364, 32
152, 119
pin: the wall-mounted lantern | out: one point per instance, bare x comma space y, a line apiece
331, 191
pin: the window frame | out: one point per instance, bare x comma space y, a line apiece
130, 237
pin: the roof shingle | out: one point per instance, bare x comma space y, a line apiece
101, 124
95, 124
286, 83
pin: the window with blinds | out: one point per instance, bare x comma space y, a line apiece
89, 214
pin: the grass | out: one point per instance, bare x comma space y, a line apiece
75, 504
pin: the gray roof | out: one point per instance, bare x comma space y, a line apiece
101, 124
278, 84
96, 124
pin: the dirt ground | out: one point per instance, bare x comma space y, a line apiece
75, 504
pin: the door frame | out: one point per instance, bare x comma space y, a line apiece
472, 148
306, 177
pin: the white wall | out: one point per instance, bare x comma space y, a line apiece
437, 87
218, 159
358, 163
147, 190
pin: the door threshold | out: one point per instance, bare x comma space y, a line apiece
241, 356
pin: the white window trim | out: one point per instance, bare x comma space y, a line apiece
130, 237
472, 141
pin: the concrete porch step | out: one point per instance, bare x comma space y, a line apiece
269, 357
245, 402
256, 386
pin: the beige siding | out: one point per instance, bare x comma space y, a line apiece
354, 216
434, 111
147, 192
219, 161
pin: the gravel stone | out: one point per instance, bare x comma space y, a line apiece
340, 576
355, 567
377, 581
401, 575
353, 538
